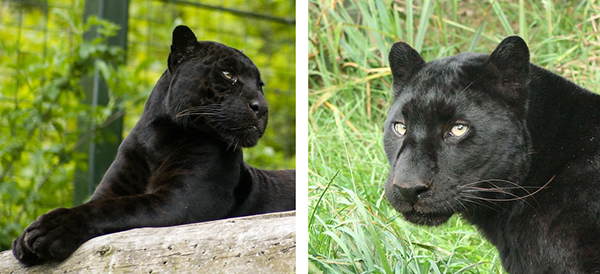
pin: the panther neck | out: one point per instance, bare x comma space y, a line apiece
154, 105
552, 133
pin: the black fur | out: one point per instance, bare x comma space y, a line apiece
182, 162
526, 171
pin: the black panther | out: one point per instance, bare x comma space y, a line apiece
182, 162
511, 147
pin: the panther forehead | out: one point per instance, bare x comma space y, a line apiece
448, 74
443, 82
225, 57
203, 72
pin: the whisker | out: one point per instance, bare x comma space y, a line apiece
516, 198
516, 185
461, 204
477, 200
500, 189
451, 207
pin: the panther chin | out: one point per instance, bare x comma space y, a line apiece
428, 219
244, 137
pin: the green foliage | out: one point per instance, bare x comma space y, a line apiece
39, 130
351, 227
43, 121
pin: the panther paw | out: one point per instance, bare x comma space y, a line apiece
53, 236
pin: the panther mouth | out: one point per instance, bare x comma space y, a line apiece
246, 136
427, 208
428, 219
249, 129
420, 214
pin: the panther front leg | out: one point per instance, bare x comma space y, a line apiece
194, 183
58, 233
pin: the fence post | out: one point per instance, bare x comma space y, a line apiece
101, 152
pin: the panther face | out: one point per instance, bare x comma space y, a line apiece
215, 88
455, 135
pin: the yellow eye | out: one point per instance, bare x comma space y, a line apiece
227, 75
400, 128
459, 130
230, 77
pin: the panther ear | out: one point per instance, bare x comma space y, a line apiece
510, 61
184, 46
404, 62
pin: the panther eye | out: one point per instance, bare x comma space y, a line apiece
399, 128
229, 76
458, 130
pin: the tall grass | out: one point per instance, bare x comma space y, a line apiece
352, 228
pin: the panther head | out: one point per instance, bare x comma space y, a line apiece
456, 135
216, 89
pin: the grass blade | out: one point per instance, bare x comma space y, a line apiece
409, 22
426, 13
502, 17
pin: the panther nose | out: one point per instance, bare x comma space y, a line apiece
410, 191
255, 106
259, 108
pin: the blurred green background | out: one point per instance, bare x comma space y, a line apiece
46, 121
351, 227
